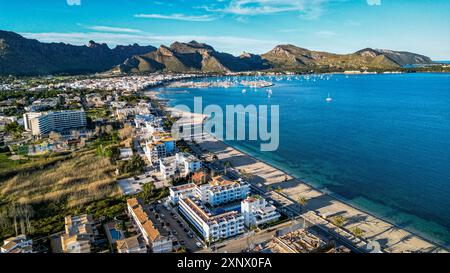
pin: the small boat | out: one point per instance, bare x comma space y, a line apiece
329, 99
244, 91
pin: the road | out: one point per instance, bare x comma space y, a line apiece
190, 243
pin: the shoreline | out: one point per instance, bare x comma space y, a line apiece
403, 240
340, 199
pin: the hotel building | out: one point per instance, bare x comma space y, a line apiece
212, 227
257, 211
223, 190
219, 191
61, 121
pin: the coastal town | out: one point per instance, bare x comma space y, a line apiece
89, 165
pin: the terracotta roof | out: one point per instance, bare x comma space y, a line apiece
198, 177
151, 231
133, 202
128, 243
140, 214
10, 245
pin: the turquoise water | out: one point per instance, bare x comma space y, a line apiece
382, 144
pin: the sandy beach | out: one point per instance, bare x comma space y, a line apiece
266, 177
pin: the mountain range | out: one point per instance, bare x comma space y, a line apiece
22, 56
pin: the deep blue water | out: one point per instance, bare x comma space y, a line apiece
382, 144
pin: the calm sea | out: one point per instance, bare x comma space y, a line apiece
382, 144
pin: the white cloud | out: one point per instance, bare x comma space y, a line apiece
179, 17
374, 2
308, 8
113, 29
73, 2
229, 44
325, 34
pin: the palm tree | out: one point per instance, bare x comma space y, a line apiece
338, 221
302, 201
357, 232
226, 165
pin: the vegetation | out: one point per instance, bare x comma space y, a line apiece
14, 129
302, 201
149, 194
338, 221
98, 113
357, 232
40, 197
133, 166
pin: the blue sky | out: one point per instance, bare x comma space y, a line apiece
341, 26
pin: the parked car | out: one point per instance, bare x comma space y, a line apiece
198, 244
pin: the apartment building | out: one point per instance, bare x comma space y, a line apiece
168, 167
220, 190
257, 211
19, 244
188, 163
211, 227
223, 190
79, 234
155, 236
134, 244
187, 190
156, 150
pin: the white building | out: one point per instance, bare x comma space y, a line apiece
155, 236
168, 167
212, 227
186, 190
187, 163
140, 120
79, 234
57, 121
219, 191
27, 117
19, 244
257, 211
223, 190
132, 244
125, 153
161, 148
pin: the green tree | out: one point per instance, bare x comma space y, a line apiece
357, 232
14, 129
120, 225
302, 201
148, 192
133, 166
338, 221
226, 165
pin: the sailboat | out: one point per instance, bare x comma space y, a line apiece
329, 99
